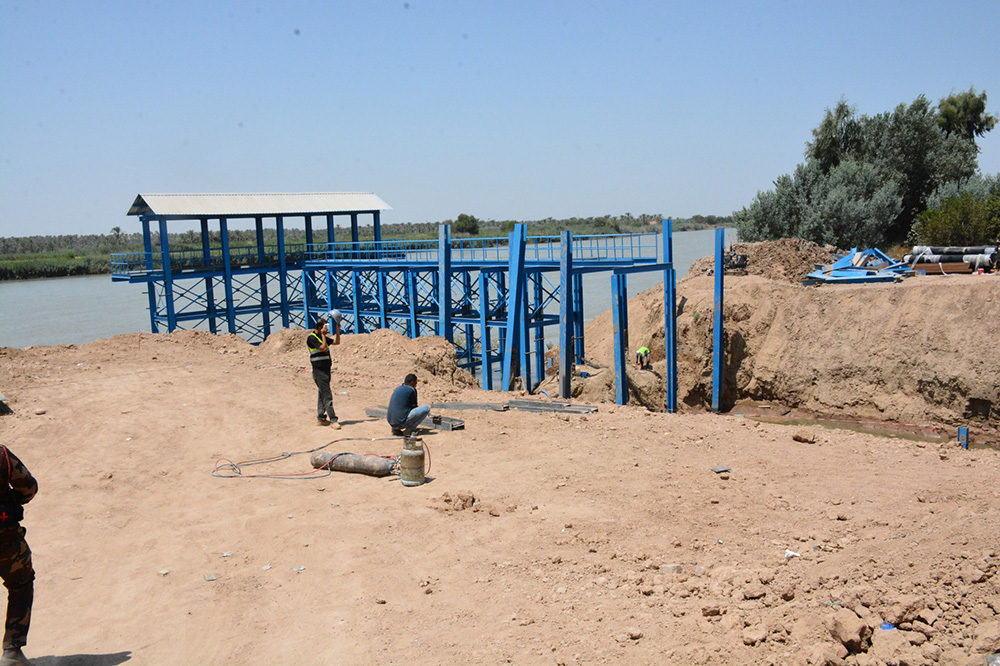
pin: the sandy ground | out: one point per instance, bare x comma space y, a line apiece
540, 538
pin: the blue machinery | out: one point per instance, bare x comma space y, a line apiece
491, 297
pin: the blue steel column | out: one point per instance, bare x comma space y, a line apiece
466, 312
619, 311
717, 355
168, 278
329, 230
307, 297
486, 381
206, 257
227, 268
359, 326
265, 303
515, 306
147, 246
412, 296
377, 225
670, 315
444, 282
383, 298
279, 224
578, 316
539, 331
309, 230
566, 319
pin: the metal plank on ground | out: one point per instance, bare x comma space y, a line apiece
552, 406
441, 422
488, 406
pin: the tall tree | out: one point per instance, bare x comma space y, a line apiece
965, 114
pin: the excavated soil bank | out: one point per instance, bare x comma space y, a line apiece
918, 352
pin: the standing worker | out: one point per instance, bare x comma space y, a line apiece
403, 414
15, 557
319, 343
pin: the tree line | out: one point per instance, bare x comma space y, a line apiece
30, 257
909, 175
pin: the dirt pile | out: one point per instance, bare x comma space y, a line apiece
787, 260
918, 351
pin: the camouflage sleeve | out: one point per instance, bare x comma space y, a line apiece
21, 481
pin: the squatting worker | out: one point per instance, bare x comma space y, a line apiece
403, 415
319, 344
16, 490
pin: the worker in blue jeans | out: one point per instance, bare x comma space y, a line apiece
403, 414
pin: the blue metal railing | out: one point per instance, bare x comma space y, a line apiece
637, 247
125, 263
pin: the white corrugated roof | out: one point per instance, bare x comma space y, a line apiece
193, 206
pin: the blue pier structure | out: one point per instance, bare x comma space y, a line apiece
491, 297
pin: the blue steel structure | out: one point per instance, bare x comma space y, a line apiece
718, 354
491, 297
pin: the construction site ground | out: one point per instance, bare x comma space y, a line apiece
624, 536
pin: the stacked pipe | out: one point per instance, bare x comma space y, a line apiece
960, 259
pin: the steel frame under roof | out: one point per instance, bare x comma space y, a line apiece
491, 297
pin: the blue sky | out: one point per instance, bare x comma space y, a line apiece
503, 110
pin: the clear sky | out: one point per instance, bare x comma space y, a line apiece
520, 110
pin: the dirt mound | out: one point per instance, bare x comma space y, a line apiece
918, 351
788, 259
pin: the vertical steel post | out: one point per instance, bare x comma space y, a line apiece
308, 290
619, 312
412, 295
168, 278
485, 362
963, 437
536, 307
718, 359
444, 283
470, 351
383, 299
515, 307
566, 318
227, 269
206, 258
147, 246
670, 315
265, 302
578, 347
359, 326
309, 234
279, 224
354, 232
377, 225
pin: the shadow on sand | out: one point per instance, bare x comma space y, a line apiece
112, 659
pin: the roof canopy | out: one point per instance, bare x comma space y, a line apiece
195, 206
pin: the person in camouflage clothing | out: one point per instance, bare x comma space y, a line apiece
17, 487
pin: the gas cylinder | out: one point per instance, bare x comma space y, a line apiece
411, 462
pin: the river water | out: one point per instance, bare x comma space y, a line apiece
77, 310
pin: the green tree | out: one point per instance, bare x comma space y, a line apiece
466, 224
965, 114
866, 178
962, 220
